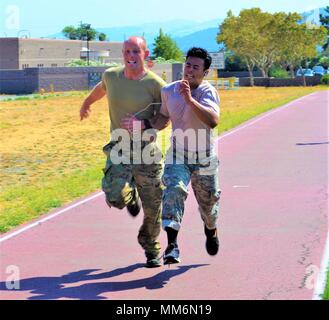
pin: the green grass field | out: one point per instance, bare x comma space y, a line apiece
326, 292
49, 158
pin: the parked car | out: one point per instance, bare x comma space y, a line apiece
305, 72
319, 70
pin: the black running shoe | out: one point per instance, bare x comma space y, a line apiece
212, 242
171, 255
135, 205
153, 263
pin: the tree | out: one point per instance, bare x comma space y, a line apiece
102, 36
240, 40
324, 61
325, 23
70, 32
290, 38
266, 48
298, 42
234, 62
82, 32
167, 48
86, 32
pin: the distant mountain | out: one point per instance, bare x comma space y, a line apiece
186, 33
204, 38
180, 30
176, 28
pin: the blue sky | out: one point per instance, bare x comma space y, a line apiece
42, 18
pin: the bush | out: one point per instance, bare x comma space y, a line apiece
92, 63
160, 60
324, 61
279, 73
325, 79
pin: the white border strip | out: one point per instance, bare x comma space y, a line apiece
52, 216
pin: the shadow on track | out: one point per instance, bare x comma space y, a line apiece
52, 288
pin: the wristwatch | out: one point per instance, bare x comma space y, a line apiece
147, 124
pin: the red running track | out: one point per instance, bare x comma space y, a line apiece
273, 227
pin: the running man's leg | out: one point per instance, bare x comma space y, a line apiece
207, 193
150, 189
175, 179
118, 184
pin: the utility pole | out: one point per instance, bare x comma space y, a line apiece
86, 37
88, 57
88, 51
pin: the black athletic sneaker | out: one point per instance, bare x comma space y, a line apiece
153, 263
212, 242
171, 255
135, 205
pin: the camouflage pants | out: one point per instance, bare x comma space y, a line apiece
205, 185
119, 183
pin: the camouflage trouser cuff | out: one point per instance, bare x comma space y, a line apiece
170, 224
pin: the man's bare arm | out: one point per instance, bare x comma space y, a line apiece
96, 94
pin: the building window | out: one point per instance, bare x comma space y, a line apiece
40, 65
54, 65
24, 66
41, 52
67, 52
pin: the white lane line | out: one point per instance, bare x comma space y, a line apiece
238, 187
52, 216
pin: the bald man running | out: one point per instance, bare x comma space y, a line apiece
133, 181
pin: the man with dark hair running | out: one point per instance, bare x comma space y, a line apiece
193, 108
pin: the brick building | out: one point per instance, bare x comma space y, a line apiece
20, 53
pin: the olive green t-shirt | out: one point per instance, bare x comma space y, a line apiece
126, 97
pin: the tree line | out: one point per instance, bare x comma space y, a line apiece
254, 39
165, 48
262, 40
83, 32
